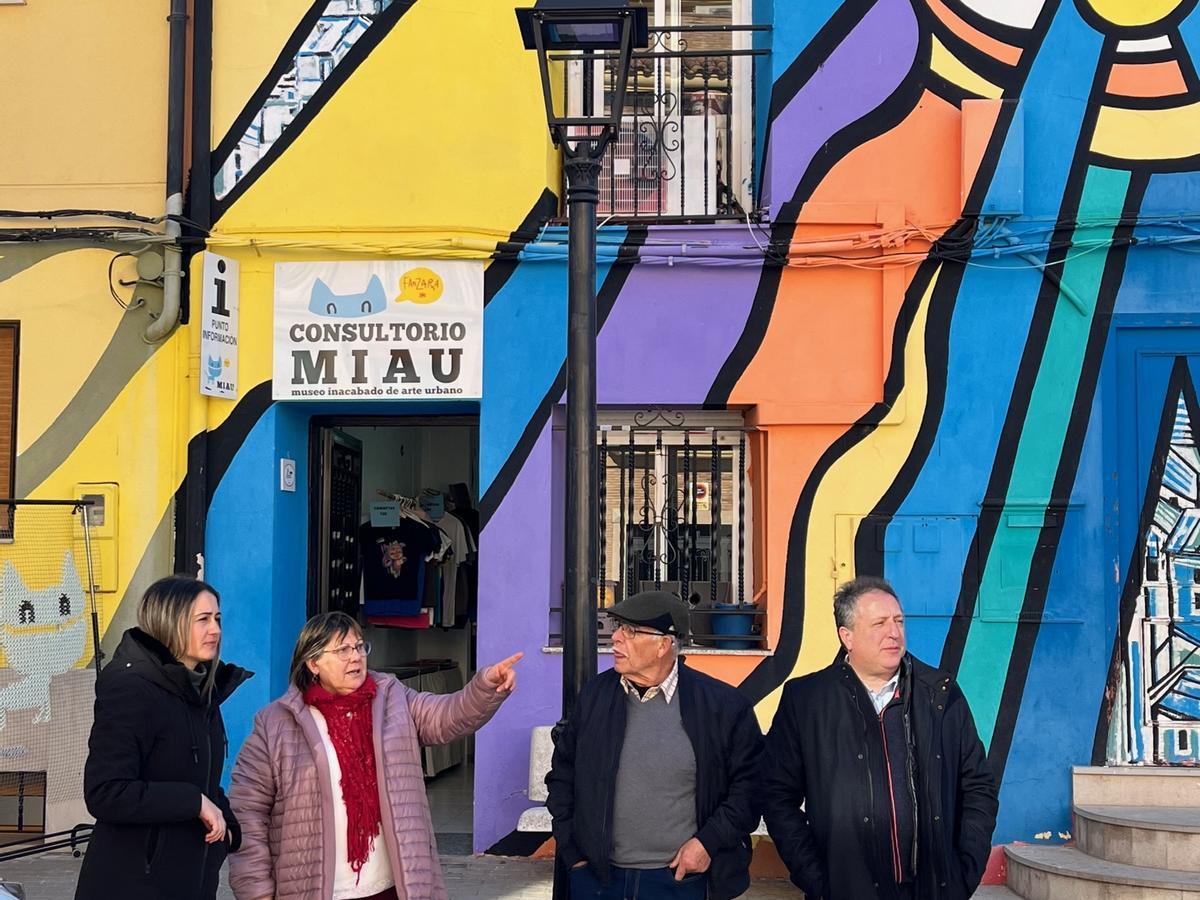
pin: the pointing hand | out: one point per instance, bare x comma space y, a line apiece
502, 675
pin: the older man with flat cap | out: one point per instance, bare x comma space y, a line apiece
654, 784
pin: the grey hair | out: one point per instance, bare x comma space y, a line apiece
165, 613
846, 597
314, 636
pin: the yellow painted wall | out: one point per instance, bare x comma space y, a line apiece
83, 89
419, 175
416, 132
64, 295
247, 36
84, 100
139, 440
139, 443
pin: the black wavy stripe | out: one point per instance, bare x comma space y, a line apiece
777, 668
992, 507
1041, 566
380, 28
209, 455
518, 843
811, 58
496, 275
890, 113
606, 298
772, 672
868, 556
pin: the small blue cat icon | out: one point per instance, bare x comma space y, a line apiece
324, 302
214, 368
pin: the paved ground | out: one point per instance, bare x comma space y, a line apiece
52, 877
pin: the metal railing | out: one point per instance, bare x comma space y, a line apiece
686, 148
72, 840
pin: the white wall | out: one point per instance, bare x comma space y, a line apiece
407, 460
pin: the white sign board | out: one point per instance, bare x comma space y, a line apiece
378, 330
219, 327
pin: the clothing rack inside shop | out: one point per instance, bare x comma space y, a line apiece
405, 502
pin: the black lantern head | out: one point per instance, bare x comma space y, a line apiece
581, 24
587, 26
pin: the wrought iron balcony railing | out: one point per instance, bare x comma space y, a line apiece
686, 149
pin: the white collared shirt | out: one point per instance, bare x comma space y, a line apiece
884, 695
666, 688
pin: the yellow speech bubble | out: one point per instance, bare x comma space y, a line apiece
420, 286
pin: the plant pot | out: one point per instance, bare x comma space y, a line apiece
736, 628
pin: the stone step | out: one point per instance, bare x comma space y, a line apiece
1156, 836
1065, 873
1135, 786
994, 892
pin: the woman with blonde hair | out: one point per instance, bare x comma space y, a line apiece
157, 747
329, 788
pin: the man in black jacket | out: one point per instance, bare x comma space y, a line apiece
881, 750
655, 779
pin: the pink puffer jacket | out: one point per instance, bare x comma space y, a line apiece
282, 795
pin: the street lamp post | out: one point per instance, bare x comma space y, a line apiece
586, 26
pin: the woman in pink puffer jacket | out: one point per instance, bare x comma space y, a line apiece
329, 789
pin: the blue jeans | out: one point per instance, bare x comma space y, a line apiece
638, 884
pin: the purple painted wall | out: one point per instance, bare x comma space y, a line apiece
854, 80
515, 568
667, 349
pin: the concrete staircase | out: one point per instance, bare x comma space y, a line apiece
1137, 837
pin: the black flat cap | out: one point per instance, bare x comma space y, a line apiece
653, 609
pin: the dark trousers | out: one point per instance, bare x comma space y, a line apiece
638, 884
389, 894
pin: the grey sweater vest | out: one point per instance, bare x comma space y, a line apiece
654, 812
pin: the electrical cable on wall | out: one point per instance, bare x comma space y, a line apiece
993, 242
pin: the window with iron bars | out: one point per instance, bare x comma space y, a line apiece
676, 511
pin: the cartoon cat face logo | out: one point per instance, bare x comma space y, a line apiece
324, 302
214, 368
42, 632
23, 606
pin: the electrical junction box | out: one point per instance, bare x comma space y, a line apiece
102, 527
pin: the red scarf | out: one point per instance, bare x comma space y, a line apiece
348, 718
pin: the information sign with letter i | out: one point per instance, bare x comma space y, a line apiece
219, 327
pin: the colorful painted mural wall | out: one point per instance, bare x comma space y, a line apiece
963, 329
968, 345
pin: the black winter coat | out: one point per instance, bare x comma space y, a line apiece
728, 745
818, 755
155, 747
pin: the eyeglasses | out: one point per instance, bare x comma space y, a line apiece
346, 651
629, 631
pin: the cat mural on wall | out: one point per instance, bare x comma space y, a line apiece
42, 633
